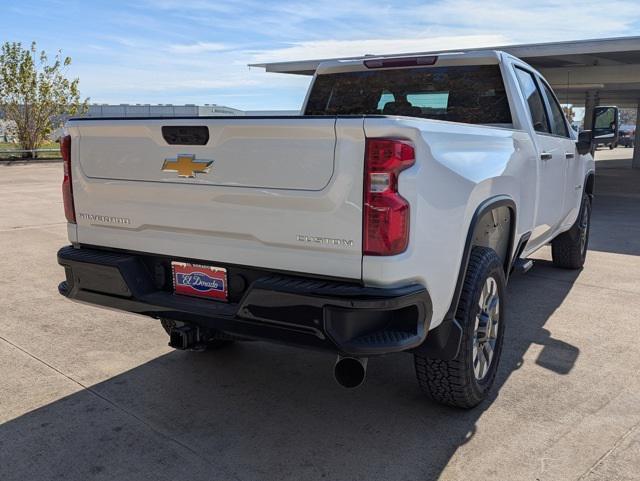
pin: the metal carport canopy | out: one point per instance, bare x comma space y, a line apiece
608, 69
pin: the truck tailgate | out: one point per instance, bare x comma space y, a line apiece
278, 193
277, 154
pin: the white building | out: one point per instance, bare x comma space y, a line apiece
166, 110
169, 110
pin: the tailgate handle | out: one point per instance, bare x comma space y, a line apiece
186, 134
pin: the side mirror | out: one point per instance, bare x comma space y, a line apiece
585, 141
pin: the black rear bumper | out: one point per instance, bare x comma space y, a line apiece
340, 316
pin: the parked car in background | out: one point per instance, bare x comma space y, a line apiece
626, 138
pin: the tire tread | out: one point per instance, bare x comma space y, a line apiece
452, 382
565, 249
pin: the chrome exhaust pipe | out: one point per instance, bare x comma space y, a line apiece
350, 371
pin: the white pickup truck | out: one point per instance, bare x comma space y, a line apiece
386, 218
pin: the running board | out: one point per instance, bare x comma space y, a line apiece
522, 266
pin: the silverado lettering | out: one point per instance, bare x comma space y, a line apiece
104, 218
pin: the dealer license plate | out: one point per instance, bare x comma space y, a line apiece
200, 281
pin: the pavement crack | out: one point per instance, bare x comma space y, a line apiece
28, 227
610, 451
118, 407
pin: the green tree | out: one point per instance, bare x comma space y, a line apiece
36, 94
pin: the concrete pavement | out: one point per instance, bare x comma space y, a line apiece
87, 393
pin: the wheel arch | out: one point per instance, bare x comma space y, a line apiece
443, 342
483, 212
589, 183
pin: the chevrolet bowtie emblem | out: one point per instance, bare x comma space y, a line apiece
186, 165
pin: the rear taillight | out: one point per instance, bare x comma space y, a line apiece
386, 212
67, 189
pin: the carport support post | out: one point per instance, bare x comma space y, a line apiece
590, 102
635, 163
588, 111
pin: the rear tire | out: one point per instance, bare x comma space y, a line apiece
569, 249
465, 381
217, 341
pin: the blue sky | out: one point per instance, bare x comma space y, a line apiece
197, 51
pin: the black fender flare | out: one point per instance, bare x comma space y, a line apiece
443, 342
589, 183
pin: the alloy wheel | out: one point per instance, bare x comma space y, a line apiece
486, 328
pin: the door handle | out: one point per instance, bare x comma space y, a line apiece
546, 156
569, 155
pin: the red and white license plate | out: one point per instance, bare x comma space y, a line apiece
200, 281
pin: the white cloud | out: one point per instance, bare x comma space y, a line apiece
171, 80
157, 61
197, 48
459, 24
348, 48
192, 5
522, 21
541, 21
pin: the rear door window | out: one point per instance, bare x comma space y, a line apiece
559, 125
532, 95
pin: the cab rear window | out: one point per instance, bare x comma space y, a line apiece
469, 94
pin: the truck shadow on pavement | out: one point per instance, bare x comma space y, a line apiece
256, 411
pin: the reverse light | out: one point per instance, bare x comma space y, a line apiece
67, 188
386, 212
